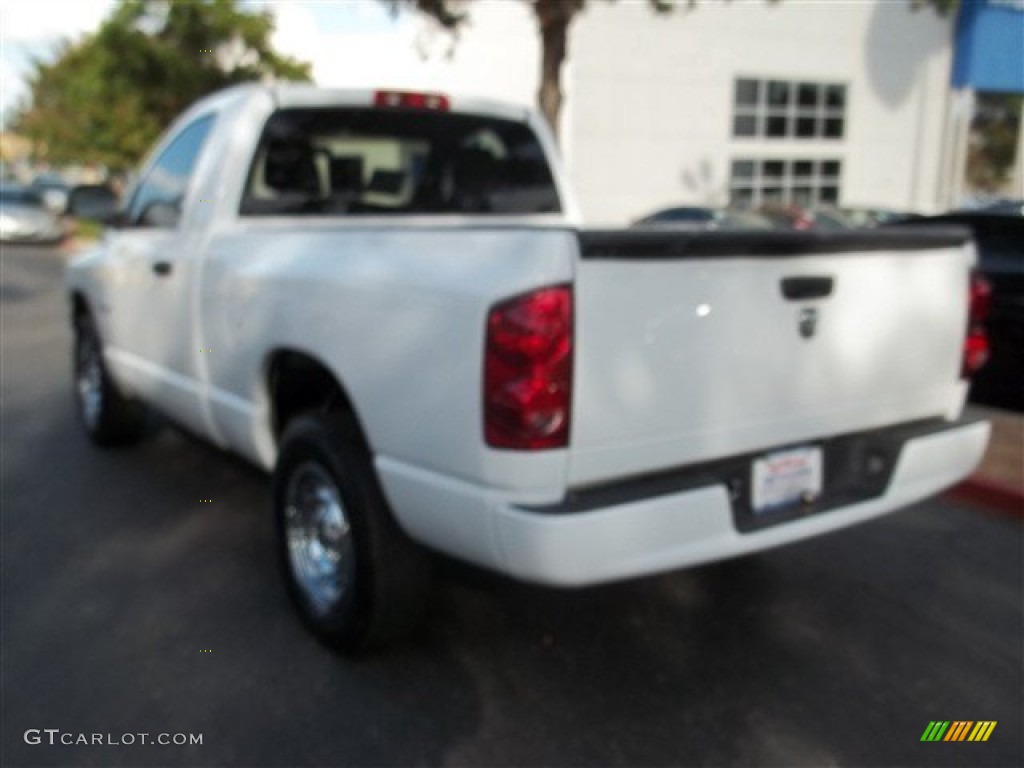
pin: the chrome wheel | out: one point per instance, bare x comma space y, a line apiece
357, 580
89, 381
321, 551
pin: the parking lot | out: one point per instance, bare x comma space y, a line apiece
131, 606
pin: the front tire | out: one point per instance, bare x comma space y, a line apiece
108, 416
355, 577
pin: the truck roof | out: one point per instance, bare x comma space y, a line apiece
303, 95
298, 95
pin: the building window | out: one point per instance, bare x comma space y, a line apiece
783, 109
802, 182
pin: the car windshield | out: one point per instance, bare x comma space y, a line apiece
336, 161
49, 182
17, 196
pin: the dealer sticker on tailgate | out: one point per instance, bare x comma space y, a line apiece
786, 478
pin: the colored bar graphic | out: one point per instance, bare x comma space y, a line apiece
984, 729
935, 730
958, 730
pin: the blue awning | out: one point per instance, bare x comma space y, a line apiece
989, 53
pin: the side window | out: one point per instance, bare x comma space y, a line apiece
158, 197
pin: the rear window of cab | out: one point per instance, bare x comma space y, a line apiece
326, 161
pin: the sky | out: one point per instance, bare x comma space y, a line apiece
33, 30
349, 42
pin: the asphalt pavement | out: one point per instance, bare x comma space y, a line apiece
998, 482
132, 607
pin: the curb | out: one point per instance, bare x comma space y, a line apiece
990, 493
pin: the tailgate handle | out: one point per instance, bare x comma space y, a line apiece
797, 288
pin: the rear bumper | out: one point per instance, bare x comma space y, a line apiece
591, 544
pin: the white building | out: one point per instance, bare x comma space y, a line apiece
748, 101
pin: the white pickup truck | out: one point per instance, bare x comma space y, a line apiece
386, 299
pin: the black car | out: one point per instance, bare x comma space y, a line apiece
1000, 239
53, 189
697, 217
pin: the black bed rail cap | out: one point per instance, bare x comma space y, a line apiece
686, 244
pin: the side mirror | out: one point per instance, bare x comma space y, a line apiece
93, 201
161, 213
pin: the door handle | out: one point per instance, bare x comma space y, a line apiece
798, 288
162, 268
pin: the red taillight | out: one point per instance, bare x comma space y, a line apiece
980, 296
411, 100
528, 371
976, 349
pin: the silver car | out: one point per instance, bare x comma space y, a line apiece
25, 218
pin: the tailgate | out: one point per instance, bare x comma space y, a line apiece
697, 346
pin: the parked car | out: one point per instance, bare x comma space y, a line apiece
829, 218
386, 299
876, 217
682, 214
705, 218
94, 202
1007, 207
24, 217
53, 189
1000, 241
786, 216
822, 217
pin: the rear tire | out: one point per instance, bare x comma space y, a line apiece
355, 577
108, 416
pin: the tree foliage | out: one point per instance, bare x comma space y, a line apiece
106, 97
992, 145
554, 18
943, 7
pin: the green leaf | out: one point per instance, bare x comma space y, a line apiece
107, 96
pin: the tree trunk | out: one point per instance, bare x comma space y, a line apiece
553, 19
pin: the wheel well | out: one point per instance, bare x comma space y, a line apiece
298, 383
